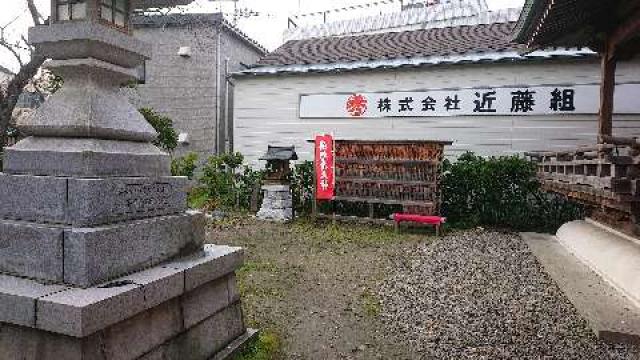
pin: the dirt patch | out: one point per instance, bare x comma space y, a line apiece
316, 286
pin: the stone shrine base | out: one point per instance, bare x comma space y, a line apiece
277, 204
184, 309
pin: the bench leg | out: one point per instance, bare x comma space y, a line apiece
396, 226
438, 230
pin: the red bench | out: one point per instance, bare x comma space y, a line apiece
436, 221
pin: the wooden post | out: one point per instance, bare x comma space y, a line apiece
607, 89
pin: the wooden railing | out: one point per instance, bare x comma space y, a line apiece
605, 175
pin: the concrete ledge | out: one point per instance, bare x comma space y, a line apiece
612, 316
613, 257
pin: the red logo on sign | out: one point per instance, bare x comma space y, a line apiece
357, 105
324, 168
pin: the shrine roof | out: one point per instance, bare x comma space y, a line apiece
447, 45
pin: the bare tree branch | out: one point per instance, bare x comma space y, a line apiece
35, 14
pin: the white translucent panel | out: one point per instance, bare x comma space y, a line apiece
106, 13
63, 12
120, 19
78, 11
121, 5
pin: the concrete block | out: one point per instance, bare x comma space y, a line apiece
82, 312
212, 263
94, 255
83, 157
18, 298
102, 201
204, 301
33, 198
30, 250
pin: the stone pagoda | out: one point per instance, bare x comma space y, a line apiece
100, 258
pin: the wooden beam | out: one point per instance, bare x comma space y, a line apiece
607, 89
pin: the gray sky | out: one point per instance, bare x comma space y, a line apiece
267, 28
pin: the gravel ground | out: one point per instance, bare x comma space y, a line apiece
483, 295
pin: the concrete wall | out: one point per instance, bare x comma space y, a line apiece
185, 88
268, 111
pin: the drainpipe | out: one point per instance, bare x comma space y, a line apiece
226, 106
218, 92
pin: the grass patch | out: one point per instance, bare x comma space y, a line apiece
370, 303
345, 233
267, 346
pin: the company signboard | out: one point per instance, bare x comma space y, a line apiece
537, 100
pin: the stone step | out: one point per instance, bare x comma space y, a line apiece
611, 315
87, 256
78, 312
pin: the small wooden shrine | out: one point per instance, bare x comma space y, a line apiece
604, 176
405, 173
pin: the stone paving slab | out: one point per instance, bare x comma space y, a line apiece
612, 316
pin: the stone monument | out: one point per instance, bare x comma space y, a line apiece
99, 257
277, 204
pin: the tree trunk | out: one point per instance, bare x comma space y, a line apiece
15, 87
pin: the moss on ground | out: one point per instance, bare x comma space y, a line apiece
266, 346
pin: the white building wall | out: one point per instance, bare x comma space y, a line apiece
267, 107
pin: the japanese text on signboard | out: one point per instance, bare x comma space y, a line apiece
578, 99
324, 167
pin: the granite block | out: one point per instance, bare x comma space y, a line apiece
204, 301
136, 336
18, 299
82, 312
94, 255
82, 39
23, 343
32, 198
213, 263
232, 288
90, 202
83, 157
159, 284
31, 250
204, 340
102, 201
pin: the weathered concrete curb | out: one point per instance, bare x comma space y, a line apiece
612, 316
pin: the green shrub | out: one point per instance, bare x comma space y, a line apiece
185, 165
501, 192
228, 185
302, 187
167, 137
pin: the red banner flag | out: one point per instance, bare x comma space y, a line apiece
324, 167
